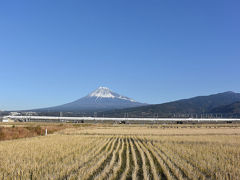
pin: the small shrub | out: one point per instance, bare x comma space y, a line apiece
1, 133
38, 130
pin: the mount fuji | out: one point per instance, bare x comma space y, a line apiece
99, 100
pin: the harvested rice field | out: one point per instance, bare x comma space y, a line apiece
125, 152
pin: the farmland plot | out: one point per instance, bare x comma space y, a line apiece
124, 152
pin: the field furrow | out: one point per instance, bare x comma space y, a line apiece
161, 164
139, 160
155, 174
81, 170
122, 161
182, 165
147, 174
132, 166
127, 164
135, 160
76, 162
116, 171
189, 169
74, 169
109, 165
175, 170
93, 171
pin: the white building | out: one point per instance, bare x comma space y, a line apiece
5, 119
15, 114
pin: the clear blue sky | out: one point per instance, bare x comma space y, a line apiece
154, 51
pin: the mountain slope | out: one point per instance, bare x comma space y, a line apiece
99, 100
196, 105
230, 110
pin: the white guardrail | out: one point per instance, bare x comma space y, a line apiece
54, 118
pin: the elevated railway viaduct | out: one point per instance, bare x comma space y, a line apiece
121, 120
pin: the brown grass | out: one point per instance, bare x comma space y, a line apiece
124, 152
16, 132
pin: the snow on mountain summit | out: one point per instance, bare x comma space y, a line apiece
104, 92
102, 99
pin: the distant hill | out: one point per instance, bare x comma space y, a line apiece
181, 108
230, 110
101, 99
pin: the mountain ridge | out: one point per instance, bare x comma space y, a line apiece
99, 100
184, 107
229, 110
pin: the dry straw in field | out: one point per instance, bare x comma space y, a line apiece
125, 152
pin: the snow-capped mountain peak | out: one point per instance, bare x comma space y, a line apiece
102, 99
104, 92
